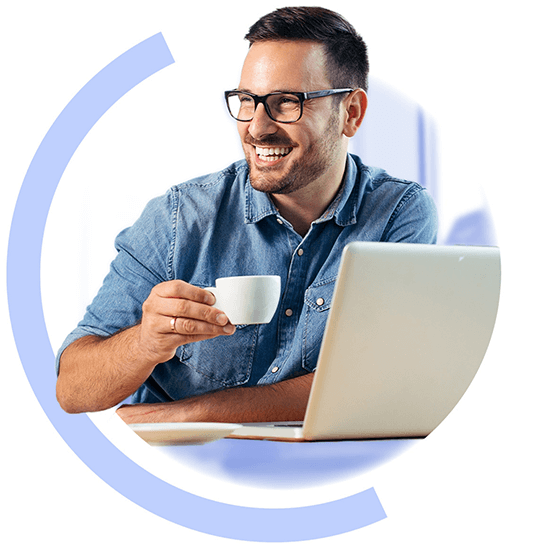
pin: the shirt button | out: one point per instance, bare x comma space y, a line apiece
275, 369
300, 252
320, 302
279, 220
288, 312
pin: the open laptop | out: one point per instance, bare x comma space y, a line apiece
408, 328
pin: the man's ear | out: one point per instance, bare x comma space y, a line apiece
355, 109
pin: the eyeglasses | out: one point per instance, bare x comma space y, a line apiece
280, 107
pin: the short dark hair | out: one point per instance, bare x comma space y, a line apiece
346, 54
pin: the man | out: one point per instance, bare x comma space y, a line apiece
288, 209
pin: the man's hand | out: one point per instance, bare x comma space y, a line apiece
177, 313
97, 373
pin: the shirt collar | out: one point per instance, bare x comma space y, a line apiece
343, 208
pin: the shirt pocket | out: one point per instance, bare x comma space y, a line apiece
317, 303
224, 361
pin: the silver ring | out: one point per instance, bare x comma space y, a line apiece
173, 324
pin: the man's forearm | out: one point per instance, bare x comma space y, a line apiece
97, 373
283, 401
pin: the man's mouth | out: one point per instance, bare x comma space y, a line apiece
271, 154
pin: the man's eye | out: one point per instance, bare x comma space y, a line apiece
288, 100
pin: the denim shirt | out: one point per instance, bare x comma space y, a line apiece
218, 225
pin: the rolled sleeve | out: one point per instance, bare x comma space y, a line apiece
142, 261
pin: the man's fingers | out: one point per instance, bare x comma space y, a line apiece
179, 312
194, 328
176, 307
183, 290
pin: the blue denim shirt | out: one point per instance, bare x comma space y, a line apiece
218, 225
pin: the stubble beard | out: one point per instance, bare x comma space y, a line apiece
303, 171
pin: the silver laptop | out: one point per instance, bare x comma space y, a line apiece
408, 328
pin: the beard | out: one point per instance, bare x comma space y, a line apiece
315, 162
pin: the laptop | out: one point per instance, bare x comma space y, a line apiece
408, 328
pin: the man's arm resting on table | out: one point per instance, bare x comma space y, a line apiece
282, 401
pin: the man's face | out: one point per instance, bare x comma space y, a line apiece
310, 148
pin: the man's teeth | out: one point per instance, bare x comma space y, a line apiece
272, 153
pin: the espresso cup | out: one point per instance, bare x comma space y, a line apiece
247, 300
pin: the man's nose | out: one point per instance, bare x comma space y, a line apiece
261, 124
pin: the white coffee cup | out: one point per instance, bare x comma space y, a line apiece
247, 300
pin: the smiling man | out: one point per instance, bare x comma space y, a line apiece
300, 157
288, 209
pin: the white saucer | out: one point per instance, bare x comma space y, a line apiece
171, 434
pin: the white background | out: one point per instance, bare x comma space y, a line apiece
475, 66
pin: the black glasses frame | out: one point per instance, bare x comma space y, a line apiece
261, 99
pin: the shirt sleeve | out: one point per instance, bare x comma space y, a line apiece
414, 220
144, 253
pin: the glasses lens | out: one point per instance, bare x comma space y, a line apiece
241, 106
284, 107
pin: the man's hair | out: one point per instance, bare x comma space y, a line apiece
346, 55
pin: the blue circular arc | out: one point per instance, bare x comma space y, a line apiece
36, 353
